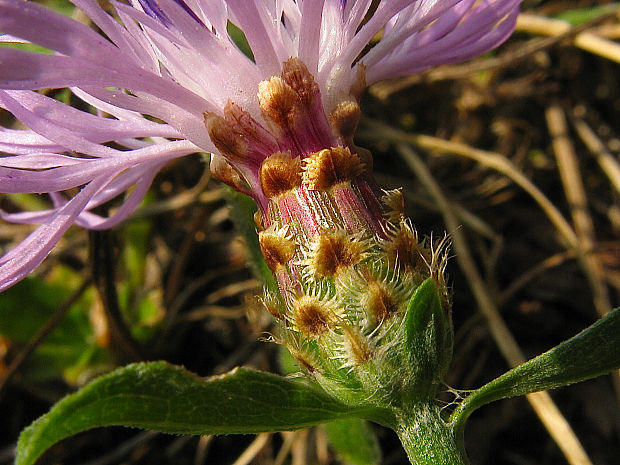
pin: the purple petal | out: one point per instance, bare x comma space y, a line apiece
309, 34
36, 217
152, 9
38, 161
191, 126
8, 38
120, 36
21, 141
52, 30
479, 29
92, 221
61, 136
66, 177
195, 57
255, 21
147, 22
26, 70
23, 259
120, 113
123, 182
52, 115
141, 176
385, 11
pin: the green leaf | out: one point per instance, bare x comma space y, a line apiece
136, 248
169, 399
593, 352
428, 337
354, 441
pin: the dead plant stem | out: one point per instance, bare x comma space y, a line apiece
543, 405
490, 160
585, 40
104, 271
574, 190
604, 158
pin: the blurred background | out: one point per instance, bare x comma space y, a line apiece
515, 155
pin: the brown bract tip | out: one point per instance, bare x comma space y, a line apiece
359, 84
304, 360
276, 248
405, 251
395, 203
273, 306
221, 169
279, 173
333, 253
378, 302
240, 120
358, 350
343, 119
278, 101
258, 220
312, 317
227, 141
296, 74
324, 169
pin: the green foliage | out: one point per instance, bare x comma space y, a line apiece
238, 37
71, 348
165, 398
354, 441
28, 201
593, 352
61, 6
579, 16
142, 308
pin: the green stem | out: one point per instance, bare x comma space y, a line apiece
428, 439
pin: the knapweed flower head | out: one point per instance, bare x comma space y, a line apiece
167, 79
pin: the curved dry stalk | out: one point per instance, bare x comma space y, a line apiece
520, 282
541, 402
490, 160
574, 190
604, 158
289, 439
467, 217
586, 40
230, 290
202, 449
253, 449
103, 265
195, 195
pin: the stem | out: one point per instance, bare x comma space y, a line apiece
103, 268
428, 439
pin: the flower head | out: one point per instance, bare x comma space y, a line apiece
167, 79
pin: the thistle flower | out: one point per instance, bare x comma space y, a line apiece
167, 80
174, 62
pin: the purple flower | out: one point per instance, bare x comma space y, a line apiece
174, 61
